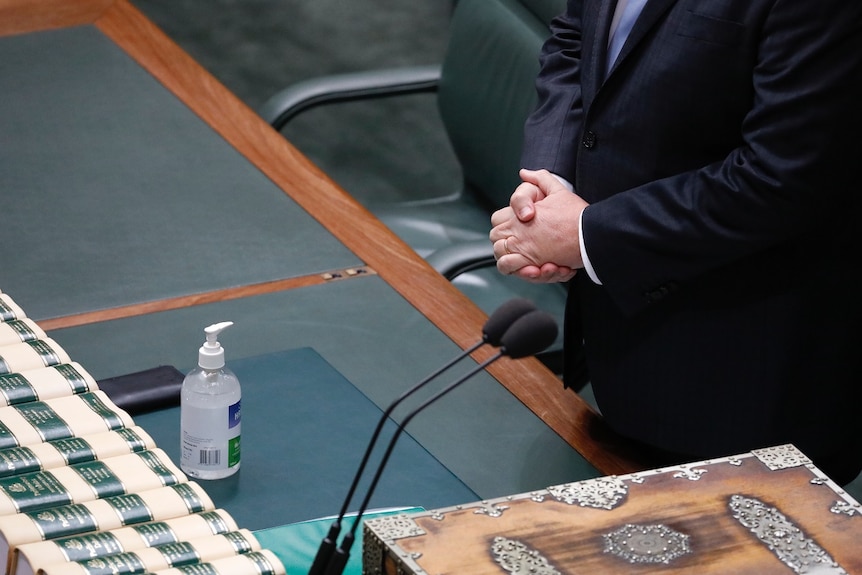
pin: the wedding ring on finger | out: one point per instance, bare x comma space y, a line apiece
506, 246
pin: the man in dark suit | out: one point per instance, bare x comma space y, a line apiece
713, 150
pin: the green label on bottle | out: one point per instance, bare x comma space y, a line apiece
89, 545
45, 420
35, 491
18, 460
233, 451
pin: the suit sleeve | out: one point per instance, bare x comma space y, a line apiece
793, 179
551, 132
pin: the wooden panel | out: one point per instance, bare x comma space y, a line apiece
740, 515
19, 17
346, 219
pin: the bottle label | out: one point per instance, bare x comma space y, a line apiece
211, 437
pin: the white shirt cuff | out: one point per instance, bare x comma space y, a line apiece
584, 256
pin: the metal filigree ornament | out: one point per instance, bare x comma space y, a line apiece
600, 493
845, 508
647, 543
516, 557
490, 509
392, 527
781, 457
786, 540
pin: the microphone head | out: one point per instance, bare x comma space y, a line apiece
503, 318
529, 334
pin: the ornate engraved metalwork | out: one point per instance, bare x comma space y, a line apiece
392, 527
690, 473
600, 493
781, 457
490, 509
787, 541
844, 508
647, 543
516, 557
372, 554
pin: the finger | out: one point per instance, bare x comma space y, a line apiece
502, 216
500, 249
512, 262
523, 201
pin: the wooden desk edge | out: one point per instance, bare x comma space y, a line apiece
452, 312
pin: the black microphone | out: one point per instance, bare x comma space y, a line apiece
528, 335
492, 334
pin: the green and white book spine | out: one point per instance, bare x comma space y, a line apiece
100, 515
45, 383
30, 557
60, 418
31, 355
9, 310
130, 473
180, 554
263, 562
62, 452
19, 330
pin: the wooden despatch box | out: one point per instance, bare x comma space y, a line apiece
765, 512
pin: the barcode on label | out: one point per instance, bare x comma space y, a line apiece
210, 456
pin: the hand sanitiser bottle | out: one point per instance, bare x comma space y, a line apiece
210, 416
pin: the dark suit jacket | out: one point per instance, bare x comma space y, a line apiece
721, 159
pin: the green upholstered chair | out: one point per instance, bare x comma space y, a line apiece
484, 91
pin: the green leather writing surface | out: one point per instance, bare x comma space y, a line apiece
304, 430
114, 192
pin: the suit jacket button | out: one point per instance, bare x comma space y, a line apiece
589, 141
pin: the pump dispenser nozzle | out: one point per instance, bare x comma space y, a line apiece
211, 353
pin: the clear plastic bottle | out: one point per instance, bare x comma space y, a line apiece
210, 414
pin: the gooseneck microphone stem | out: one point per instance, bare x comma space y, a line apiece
342, 554
327, 546
501, 330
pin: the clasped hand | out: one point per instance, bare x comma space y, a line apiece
536, 237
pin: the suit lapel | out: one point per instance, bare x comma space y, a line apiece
652, 12
597, 43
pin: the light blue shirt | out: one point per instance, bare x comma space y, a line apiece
625, 15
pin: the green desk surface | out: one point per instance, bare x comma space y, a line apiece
382, 345
304, 430
114, 192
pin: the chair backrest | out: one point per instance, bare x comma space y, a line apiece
487, 88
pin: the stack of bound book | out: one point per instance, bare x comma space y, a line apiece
84, 491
